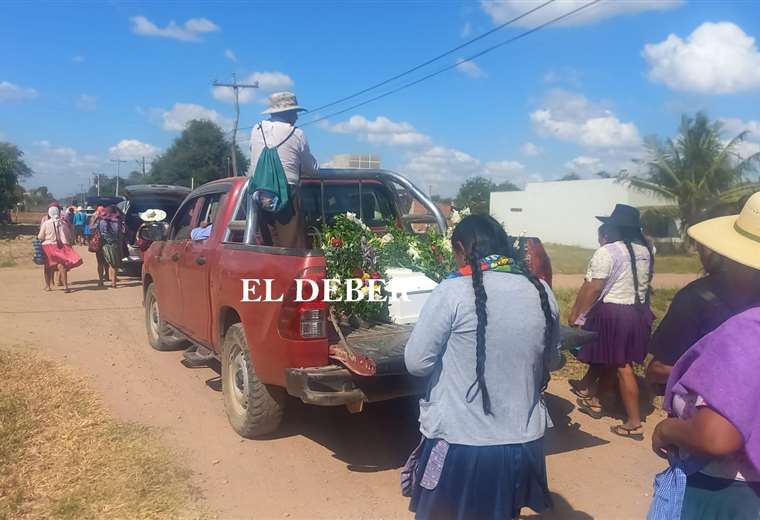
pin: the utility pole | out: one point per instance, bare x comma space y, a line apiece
141, 164
118, 166
97, 181
235, 86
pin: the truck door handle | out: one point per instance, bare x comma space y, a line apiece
200, 260
175, 257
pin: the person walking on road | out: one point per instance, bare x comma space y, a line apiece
286, 227
614, 302
56, 245
112, 229
712, 437
487, 339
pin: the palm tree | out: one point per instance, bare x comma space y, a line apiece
697, 169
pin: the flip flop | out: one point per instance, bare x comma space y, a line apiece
632, 433
583, 394
592, 410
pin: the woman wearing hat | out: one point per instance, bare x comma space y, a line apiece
56, 245
149, 217
614, 302
712, 437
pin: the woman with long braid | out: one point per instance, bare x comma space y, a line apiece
487, 339
614, 302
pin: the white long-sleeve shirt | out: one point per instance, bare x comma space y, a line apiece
294, 153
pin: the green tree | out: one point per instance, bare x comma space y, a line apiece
506, 186
697, 169
475, 194
571, 177
12, 170
200, 153
37, 198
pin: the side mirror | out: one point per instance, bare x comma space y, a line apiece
155, 232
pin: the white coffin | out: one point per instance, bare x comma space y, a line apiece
417, 287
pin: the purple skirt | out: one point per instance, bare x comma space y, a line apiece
624, 332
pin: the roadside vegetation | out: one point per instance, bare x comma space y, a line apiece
574, 260
63, 457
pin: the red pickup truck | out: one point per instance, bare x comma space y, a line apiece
269, 350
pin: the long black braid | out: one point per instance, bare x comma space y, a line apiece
480, 236
481, 298
629, 236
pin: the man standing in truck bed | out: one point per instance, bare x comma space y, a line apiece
284, 228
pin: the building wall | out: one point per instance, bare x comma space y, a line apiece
564, 212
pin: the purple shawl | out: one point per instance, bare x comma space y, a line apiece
724, 368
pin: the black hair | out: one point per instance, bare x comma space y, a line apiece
629, 236
480, 236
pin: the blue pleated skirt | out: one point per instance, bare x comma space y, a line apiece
483, 482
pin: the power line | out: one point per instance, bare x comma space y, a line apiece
449, 67
432, 60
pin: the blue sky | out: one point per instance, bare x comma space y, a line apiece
81, 83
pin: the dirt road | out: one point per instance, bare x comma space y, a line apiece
324, 463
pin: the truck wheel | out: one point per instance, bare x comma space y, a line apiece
253, 408
160, 334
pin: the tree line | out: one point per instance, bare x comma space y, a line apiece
698, 169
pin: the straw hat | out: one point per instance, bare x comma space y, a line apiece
152, 215
736, 237
282, 102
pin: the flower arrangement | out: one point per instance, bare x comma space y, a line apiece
352, 250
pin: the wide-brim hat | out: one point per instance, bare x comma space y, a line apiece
152, 215
623, 216
283, 102
737, 237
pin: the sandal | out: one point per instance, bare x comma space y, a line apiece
575, 387
622, 430
592, 410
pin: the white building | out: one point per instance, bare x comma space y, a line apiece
564, 212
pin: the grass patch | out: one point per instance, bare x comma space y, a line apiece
62, 456
573, 368
6, 260
574, 260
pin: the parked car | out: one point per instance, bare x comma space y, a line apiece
269, 350
141, 197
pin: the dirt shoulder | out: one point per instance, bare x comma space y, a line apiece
324, 463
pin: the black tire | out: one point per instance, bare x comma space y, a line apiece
160, 334
253, 408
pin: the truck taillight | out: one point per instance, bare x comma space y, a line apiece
312, 323
306, 319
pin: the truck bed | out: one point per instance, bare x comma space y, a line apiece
378, 350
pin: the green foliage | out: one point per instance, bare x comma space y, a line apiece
37, 198
571, 177
506, 186
108, 184
201, 153
352, 250
12, 170
697, 169
475, 194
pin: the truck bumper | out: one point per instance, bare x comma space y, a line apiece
334, 386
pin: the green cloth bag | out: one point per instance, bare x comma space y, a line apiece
269, 175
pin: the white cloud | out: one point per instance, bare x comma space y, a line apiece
471, 69
717, 58
268, 82
77, 59
190, 31
566, 75
175, 119
500, 171
584, 164
571, 117
230, 55
132, 149
466, 30
531, 150
751, 145
87, 103
380, 131
501, 11
12, 92
61, 168
444, 168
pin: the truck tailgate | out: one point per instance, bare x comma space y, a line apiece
378, 350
